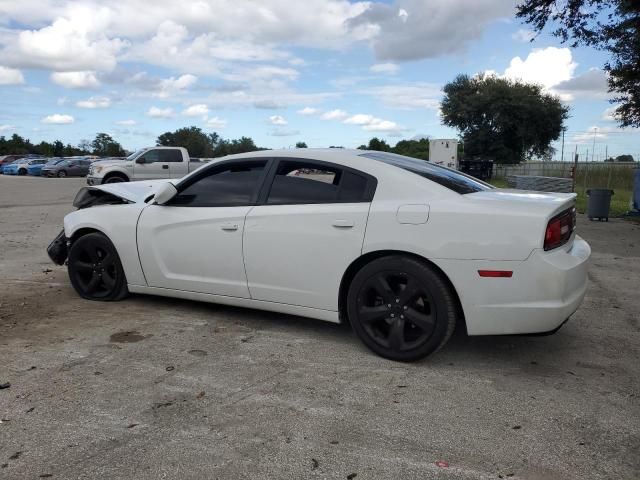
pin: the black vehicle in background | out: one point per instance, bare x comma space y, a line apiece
482, 169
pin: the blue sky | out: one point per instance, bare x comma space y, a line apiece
327, 72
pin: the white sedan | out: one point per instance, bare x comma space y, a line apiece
402, 249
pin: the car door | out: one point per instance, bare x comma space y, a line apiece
310, 227
194, 242
73, 168
150, 166
177, 166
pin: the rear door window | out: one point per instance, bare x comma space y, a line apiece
308, 182
170, 156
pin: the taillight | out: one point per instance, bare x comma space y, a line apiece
559, 229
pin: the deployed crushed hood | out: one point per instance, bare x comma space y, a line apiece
122, 192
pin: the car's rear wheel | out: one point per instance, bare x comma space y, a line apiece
62, 174
401, 308
95, 270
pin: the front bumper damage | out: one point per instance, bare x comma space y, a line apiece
58, 249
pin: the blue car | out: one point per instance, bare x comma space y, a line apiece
19, 167
35, 169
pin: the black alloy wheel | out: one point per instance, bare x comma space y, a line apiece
401, 308
95, 270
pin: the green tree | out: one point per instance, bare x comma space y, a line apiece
502, 119
416, 148
301, 145
197, 142
624, 158
105, 146
376, 144
612, 26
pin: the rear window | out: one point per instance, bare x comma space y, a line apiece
451, 179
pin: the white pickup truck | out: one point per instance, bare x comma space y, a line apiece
150, 163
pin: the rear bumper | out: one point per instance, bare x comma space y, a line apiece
544, 291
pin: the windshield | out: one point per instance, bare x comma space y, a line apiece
135, 154
451, 179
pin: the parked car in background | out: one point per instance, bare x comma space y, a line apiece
20, 167
36, 168
147, 164
69, 167
402, 249
7, 160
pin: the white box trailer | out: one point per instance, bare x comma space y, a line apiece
444, 151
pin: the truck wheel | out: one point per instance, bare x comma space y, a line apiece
115, 179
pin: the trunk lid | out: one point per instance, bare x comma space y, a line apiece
544, 203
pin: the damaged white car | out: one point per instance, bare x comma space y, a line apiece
402, 249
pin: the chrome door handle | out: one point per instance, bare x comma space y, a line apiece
343, 224
229, 227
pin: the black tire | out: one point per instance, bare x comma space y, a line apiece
62, 174
115, 179
95, 270
401, 308
22, 171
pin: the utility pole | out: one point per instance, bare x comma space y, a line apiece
606, 153
562, 154
593, 150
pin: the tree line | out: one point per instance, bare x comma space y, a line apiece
102, 145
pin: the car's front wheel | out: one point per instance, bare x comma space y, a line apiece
401, 308
62, 174
95, 270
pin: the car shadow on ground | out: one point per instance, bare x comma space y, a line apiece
500, 351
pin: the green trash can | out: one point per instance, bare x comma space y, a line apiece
599, 203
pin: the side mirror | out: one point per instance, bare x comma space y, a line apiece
140, 159
165, 193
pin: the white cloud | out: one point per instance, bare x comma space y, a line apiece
547, 67
78, 40
308, 111
283, 132
216, 122
173, 86
10, 76
390, 68
126, 122
58, 119
415, 29
277, 120
523, 35
359, 119
198, 110
75, 79
334, 115
6, 128
373, 124
155, 112
408, 96
94, 102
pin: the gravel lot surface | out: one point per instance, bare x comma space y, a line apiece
160, 388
